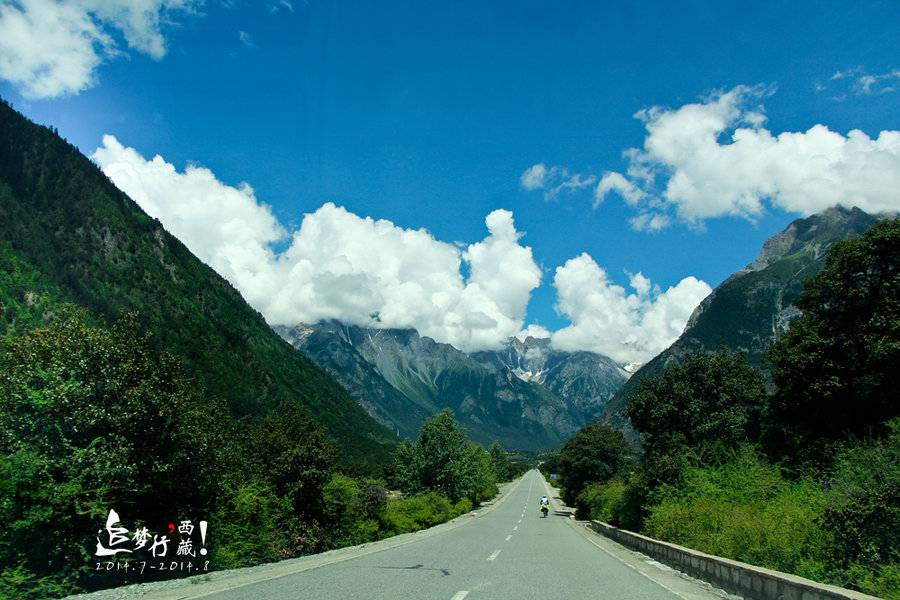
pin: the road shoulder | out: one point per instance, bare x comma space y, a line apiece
680, 584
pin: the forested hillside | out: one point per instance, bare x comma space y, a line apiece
68, 235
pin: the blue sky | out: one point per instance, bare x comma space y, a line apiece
589, 169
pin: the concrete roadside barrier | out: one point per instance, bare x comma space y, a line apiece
748, 581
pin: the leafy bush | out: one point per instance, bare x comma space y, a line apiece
864, 520
246, 519
20, 583
747, 510
421, 512
882, 581
601, 501
443, 461
743, 509
618, 502
352, 510
595, 453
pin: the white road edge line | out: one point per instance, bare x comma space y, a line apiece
633, 568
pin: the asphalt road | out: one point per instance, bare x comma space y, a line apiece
507, 551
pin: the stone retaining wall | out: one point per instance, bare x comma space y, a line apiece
752, 583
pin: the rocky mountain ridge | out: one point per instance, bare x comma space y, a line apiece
527, 395
584, 380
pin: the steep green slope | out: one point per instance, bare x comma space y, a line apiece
25, 295
752, 309
91, 245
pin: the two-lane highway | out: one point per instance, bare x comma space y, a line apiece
507, 552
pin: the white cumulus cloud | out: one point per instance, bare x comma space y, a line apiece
616, 182
534, 331
225, 226
629, 327
715, 159
51, 48
337, 265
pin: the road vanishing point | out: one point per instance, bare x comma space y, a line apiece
503, 551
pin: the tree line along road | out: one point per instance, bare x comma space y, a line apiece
507, 551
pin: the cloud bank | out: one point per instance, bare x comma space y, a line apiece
372, 273
51, 48
337, 265
715, 159
628, 327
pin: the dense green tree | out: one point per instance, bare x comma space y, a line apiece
707, 403
92, 420
595, 453
499, 461
485, 480
443, 461
438, 459
297, 457
273, 479
353, 509
837, 370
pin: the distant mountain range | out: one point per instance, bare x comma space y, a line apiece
752, 309
584, 380
527, 396
67, 234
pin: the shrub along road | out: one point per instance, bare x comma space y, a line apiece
504, 552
